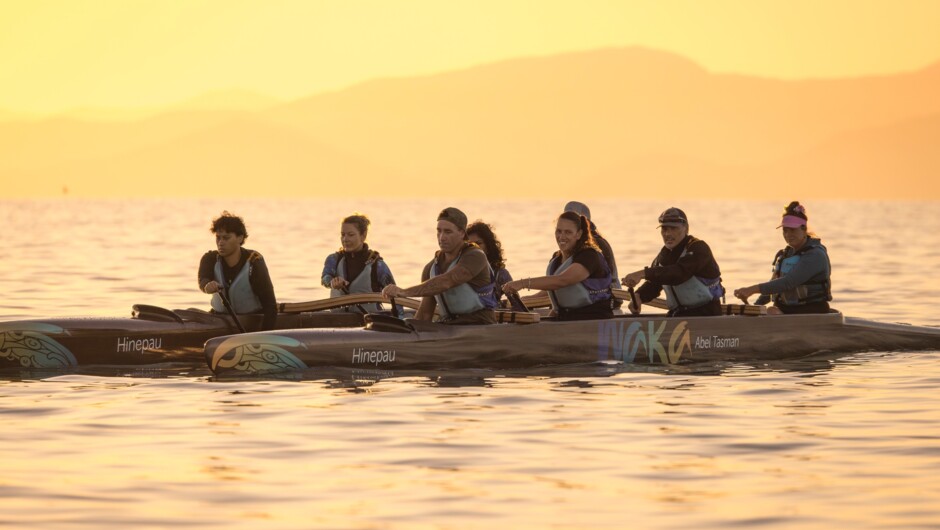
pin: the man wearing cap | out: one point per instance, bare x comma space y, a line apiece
685, 268
459, 278
581, 209
800, 282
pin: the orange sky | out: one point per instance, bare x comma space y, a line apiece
58, 55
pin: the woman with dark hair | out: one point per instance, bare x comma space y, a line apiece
481, 234
237, 272
800, 281
578, 277
582, 209
355, 268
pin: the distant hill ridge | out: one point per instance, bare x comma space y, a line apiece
609, 120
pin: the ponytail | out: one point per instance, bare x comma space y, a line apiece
584, 225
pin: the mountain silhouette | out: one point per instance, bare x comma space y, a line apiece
612, 122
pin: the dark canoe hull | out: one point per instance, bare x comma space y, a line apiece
648, 339
157, 336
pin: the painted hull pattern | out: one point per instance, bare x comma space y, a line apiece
647, 339
151, 338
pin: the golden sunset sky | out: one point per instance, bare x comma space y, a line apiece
58, 55
132, 98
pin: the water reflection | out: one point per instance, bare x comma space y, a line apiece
574, 375
353, 378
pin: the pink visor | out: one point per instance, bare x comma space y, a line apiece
792, 221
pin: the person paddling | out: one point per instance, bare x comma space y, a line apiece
577, 278
685, 268
482, 235
801, 271
581, 209
459, 279
355, 268
240, 272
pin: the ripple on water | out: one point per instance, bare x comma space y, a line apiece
830, 441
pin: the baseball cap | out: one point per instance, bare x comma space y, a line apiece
579, 208
673, 217
454, 216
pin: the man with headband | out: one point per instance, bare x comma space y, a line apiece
459, 278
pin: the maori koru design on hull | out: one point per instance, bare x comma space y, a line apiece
31, 347
256, 354
663, 341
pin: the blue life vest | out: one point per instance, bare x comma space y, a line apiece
581, 294
360, 284
464, 298
817, 289
240, 295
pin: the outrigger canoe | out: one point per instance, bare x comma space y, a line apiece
388, 344
155, 335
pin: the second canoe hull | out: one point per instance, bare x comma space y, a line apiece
648, 339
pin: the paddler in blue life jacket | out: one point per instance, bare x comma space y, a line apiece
355, 268
577, 278
685, 268
801, 271
581, 209
459, 279
242, 273
481, 234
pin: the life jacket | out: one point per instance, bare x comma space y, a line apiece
694, 292
464, 298
360, 284
581, 294
239, 293
817, 289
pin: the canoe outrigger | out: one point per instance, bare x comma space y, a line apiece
308, 337
387, 343
151, 335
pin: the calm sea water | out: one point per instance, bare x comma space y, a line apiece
824, 442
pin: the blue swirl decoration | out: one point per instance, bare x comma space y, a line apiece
29, 346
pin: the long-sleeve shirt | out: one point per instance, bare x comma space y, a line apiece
259, 279
672, 268
355, 263
812, 267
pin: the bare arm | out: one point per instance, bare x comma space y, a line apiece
434, 286
572, 275
426, 309
438, 284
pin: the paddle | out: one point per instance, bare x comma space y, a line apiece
396, 312
514, 297
231, 312
658, 303
343, 301
638, 307
346, 292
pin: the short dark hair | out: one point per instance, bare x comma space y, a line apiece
229, 222
360, 221
494, 249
